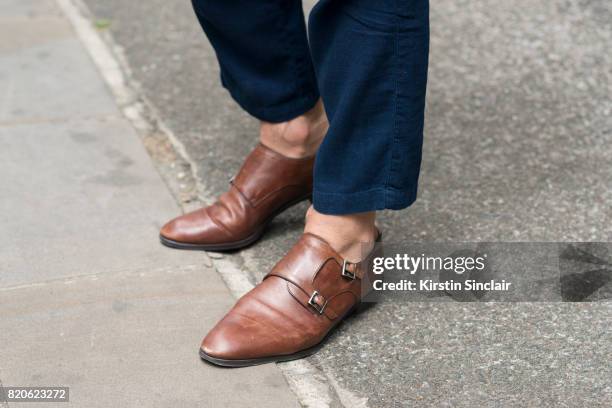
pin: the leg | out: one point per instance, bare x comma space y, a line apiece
370, 158
371, 62
265, 64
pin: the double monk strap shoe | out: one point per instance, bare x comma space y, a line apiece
290, 313
267, 184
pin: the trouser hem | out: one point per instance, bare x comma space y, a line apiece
383, 198
278, 113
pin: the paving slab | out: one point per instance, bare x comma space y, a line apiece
79, 197
89, 299
44, 74
518, 147
127, 339
29, 8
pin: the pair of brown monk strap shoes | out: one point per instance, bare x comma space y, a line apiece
288, 315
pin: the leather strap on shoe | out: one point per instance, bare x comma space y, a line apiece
311, 298
318, 261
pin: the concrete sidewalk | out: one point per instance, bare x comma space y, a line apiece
88, 297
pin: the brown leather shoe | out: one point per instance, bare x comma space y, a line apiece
266, 185
290, 313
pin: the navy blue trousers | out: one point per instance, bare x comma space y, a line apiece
366, 59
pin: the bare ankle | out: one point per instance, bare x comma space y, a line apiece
352, 236
298, 137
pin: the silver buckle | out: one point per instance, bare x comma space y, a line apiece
314, 304
345, 272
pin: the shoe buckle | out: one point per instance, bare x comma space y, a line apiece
345, 272
313, 302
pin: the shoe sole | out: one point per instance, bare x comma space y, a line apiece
281, 358
230, 246
258, 361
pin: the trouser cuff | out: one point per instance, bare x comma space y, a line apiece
384, 198
277, 113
